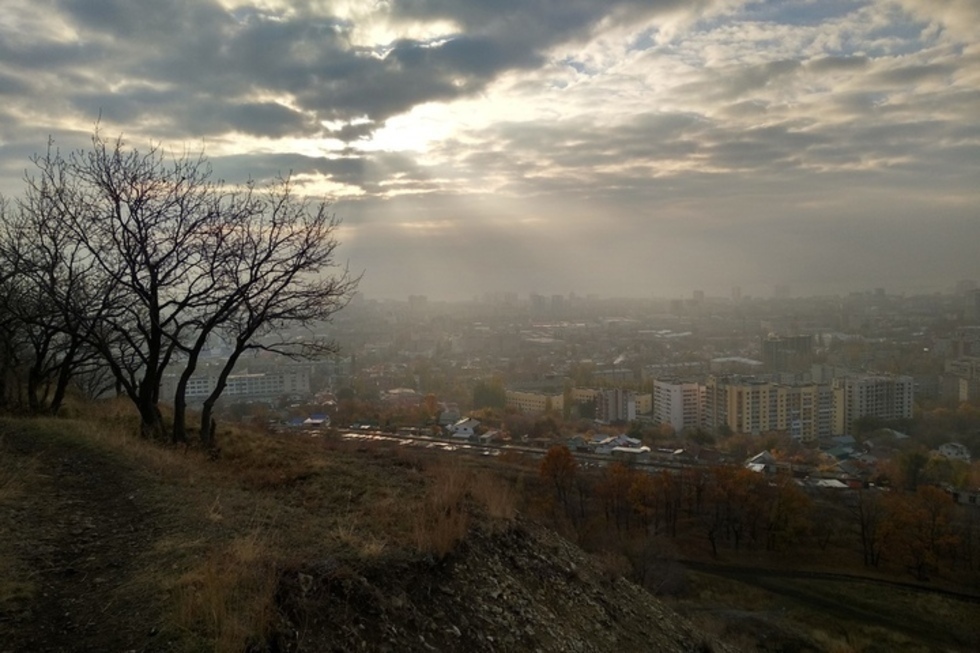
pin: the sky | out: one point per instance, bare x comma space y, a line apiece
617, 147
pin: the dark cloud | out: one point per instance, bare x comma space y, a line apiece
237, 59
832, 64
915, 73
12, 85
729, 83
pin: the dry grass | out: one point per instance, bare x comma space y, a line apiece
229, 600
443, 519
497, 495
455, 497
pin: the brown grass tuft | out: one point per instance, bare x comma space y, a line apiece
229, 600
496, 494
443, 520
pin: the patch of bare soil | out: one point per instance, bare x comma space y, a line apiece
74, 540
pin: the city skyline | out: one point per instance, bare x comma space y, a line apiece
618, 148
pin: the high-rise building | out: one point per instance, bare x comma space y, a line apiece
753, 406
879, 396
616, 405
971, 309
965, 286
557, 304
961, 380
678, 403
787, 353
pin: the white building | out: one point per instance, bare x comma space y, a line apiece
464, 428
678, 403
282, 382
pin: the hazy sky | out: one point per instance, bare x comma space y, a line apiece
618, 147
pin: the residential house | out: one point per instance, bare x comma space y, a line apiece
763, 462
464, 428
954, 451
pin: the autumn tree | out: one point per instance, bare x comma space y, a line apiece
613, 489
868, 513
920, 524
489, 393
787, 513
911, 468
644, 500
559, 468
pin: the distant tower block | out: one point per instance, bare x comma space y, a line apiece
736, 294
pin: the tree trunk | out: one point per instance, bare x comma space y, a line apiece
33, 387
65, 373
151, 421
178, 434
207, 410
208, 439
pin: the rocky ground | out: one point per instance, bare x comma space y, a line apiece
522, 589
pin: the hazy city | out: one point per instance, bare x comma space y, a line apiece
415, 325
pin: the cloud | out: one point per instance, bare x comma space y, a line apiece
546, 145
960, 17
282, 70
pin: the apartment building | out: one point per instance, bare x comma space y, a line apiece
750, 405
244, 386
616, 405
678, 403
534, 402
880, 396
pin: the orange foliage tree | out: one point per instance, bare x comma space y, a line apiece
920, 525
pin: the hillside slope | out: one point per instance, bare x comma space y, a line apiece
102, 551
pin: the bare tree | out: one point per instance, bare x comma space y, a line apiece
276, 261
172, 258
43, 295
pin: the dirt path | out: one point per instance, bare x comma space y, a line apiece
77, 536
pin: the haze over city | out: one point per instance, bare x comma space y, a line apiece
620, 148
